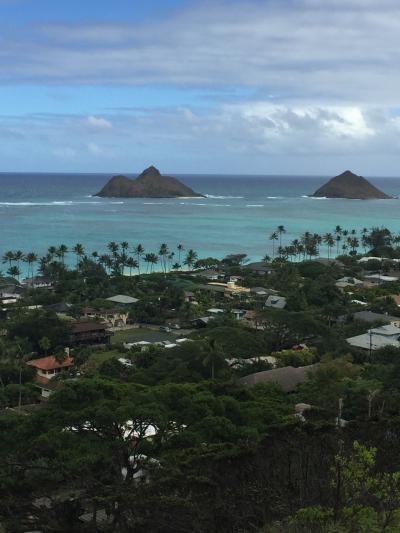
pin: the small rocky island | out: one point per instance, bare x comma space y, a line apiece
149, 184
349, 185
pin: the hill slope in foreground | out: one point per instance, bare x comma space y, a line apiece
349, 185
150, 184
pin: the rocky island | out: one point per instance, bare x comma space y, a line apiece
349, 185
149, 184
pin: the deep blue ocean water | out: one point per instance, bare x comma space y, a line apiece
39, 210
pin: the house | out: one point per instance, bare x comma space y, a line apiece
370, 317
210, 274
122, 299
240, 361
238, 313
276, 302
376, 338
38, 282
89, 332
347, 281
260, 291
10, 294
46, 368
113, 317
250, 319
202, 321
60, 308
215, 311
379, 278
225, 289
259, 267
287, 377
235, 279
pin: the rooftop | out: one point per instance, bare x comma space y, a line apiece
82, 327
50, 363
286, 377
122, 299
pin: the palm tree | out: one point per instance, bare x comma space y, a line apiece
151, 260
79, 251
30, 258
131, 264
52, 251
120, 262
170, 259
124, 246
61, 251
106, 261
329, 241
163, 252
8, 257
138, 251
273, 237
14, 272
18, 256
281, 230
214, 355
180, 249
113, 247
353, 243
191, 258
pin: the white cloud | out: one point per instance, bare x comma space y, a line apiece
329, 51
98, 123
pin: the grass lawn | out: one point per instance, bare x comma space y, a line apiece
140, 334
99, 357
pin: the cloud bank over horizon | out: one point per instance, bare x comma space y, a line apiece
302, 86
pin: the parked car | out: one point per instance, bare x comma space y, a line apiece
165, 329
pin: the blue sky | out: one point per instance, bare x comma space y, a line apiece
263, 87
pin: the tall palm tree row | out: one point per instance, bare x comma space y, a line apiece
343, 240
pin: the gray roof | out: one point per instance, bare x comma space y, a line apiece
369, 316
388, 330
122, 299
373, 342
286, 377
260, 290
277, 302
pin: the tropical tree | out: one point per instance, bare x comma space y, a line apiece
180, 249
45, 344
14, 271
138, 251
30, 259
79, 251
61, 252
163, 253
131, 263
190, 259
273, 237
281, 230
113, 247
18, 257
8, 257
330, 242
213, 356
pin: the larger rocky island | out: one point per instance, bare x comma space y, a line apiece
349, 185
149, 184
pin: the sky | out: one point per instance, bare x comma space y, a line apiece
308, 87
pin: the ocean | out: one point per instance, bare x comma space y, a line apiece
238, 214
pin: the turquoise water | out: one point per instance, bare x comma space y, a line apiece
39, 210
